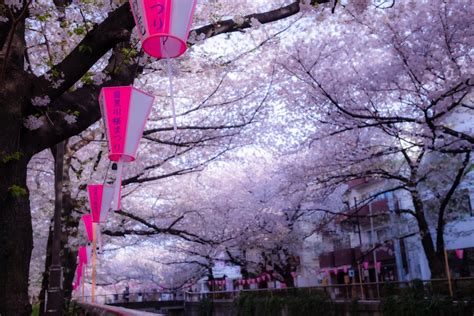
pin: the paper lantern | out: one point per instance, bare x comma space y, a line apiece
378, 265
77, 277
460, 253
293, 274
125, 111
84, 257
163, 25
366, 265
89, 252
87, 222
100, 197
345, 268
334, 271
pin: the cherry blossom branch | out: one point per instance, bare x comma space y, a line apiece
154, 230
114, 29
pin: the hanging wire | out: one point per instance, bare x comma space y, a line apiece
106, 172
170, 78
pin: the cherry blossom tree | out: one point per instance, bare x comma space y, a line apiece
392, 99
55, 58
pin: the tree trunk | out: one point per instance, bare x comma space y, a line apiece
435, 260
68, 256
16, 238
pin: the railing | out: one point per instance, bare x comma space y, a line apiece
114, 298
463, 289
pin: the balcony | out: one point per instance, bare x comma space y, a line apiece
340, 257
357, 182
362, 213
350, 256
326, 260
344, 257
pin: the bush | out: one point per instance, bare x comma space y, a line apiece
296, 305
413, 302
205, 307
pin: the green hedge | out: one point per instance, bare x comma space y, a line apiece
295, 304
412, 301
205, 307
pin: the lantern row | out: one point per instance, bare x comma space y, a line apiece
163, 27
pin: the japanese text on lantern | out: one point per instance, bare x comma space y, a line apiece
116, 123
157, 10
95, 198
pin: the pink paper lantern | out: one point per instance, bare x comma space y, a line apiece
334, 271
366, 265
293, 274
87, 222
77, 277
460, 253
163, 25
125, 111
378, 266
345, 268
100, 197
83, 256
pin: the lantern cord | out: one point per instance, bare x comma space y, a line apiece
106, 172
117, 186
170, 78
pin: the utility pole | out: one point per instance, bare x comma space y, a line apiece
374, 252
396, 238
360, 246
54, 301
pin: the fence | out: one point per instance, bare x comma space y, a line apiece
463, 289
145, 296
